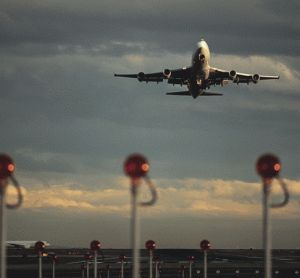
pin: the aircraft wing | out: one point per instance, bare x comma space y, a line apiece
19, 246
178, 76
218, 74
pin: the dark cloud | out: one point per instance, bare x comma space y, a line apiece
252, 28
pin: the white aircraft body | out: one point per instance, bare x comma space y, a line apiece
199, 76
25, 244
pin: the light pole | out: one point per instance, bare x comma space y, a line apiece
6, 170
183, 267
156, 259
150, 245
83, 267
205, 245
108, 268
122, 258
40, 248
268, 166
53, 258
190, 259
87, 258
95, 246
136, 166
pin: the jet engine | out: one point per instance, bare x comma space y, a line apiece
255, 78
167, 73
232, 74
141, 76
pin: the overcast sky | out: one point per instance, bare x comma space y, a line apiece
69, 123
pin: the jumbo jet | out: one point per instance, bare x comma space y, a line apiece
25, 244
199, 76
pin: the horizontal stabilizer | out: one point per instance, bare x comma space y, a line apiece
210, 94
184, 93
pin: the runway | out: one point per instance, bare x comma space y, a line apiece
248, 263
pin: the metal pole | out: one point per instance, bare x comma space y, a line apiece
3, 228
108, 273
83, 273
87, 269
95, 264
267, 227
205, 264
156, 270
182, 273
150, 267
53, 268
135, 231
40, 264
122, 269
190, 269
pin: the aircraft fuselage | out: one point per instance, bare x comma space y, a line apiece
199, 69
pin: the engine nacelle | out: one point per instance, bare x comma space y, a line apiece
167, 73
255, 78
232, 74
141, 76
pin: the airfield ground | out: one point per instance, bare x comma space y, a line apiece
24, 263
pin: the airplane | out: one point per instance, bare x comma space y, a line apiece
25, 244
199, 76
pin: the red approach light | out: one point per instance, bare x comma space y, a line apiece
108, 267
156, 258
268, 166
150, 245
95, 245
53, 257
136, 166
122, 257
100, 272
204, 245
183, 267
83, 267
190, 258
87, 257
6, 166
39, 246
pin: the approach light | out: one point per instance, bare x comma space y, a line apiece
205, 245
53, 257
87, 257
190, 258
95, 245
150, 245
156, 258
136, 166
6, 166
122, 257
268, 166
39, 246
